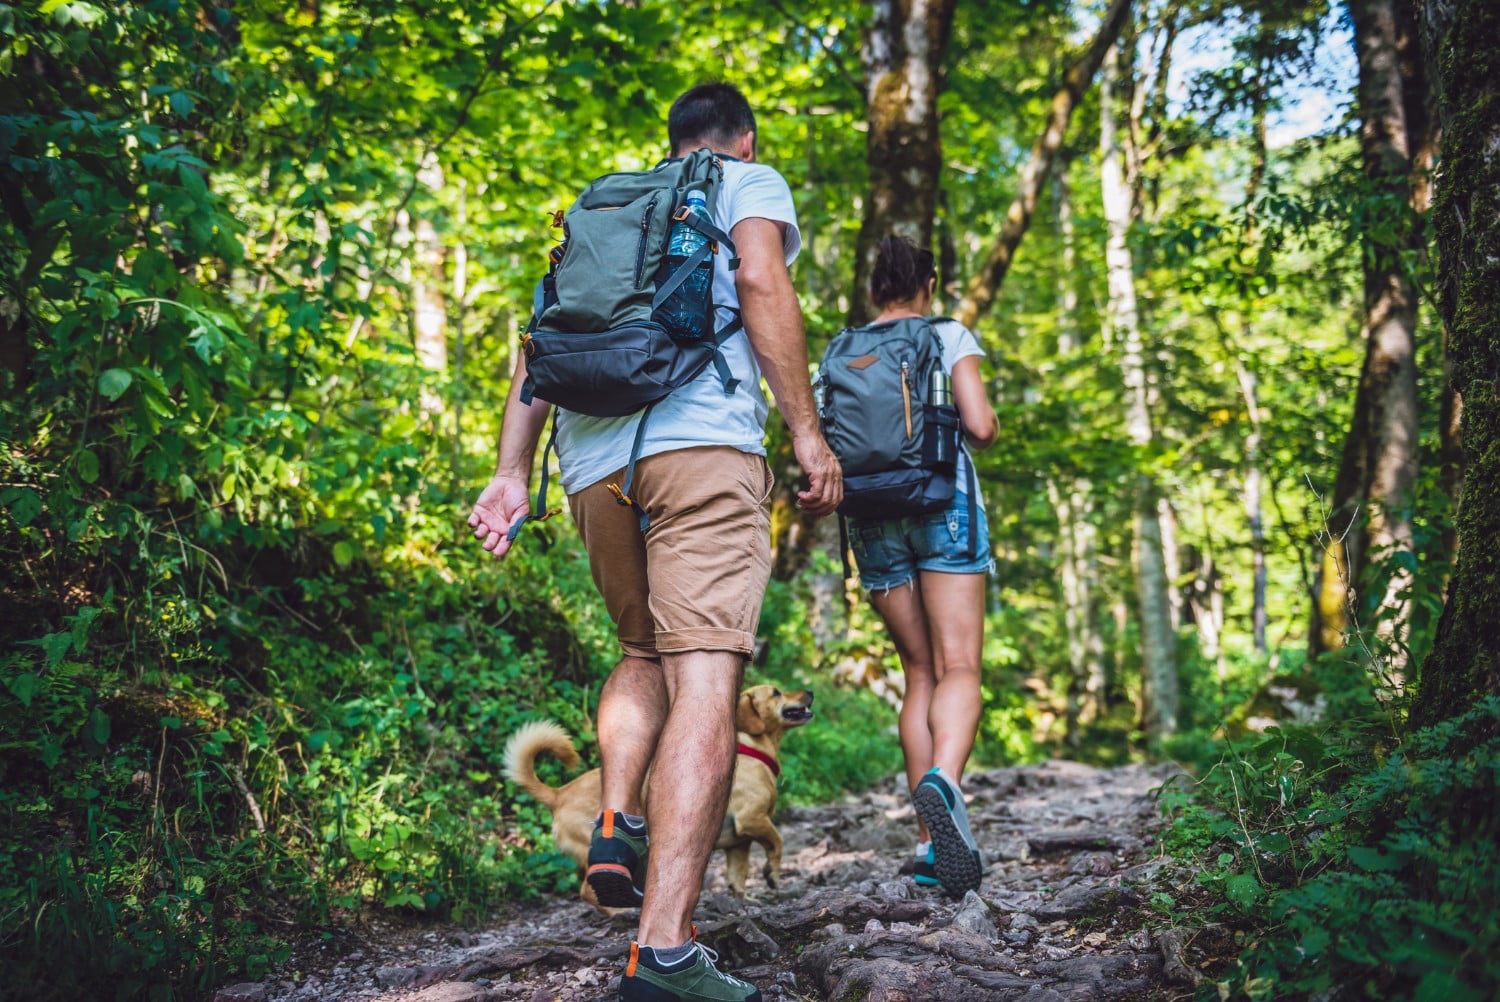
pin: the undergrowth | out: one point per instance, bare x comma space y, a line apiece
1350, 861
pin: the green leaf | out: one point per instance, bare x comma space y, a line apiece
24, 504
113, 382
181, 102
1373, 859
343, 553
24, 687
55, 646
99, 726
1243, 889
227, 488
88, 466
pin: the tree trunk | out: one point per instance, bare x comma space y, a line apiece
1370, 515
1074, 509
1246, 378
458, 314
1158, 661
1460, 37
985, 285
903, 58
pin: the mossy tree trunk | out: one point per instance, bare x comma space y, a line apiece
903, 57
1369, 518
1463, 39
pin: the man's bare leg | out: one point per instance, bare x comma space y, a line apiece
632, 709
689, 788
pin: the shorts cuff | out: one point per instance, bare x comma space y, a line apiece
883, 585
640, 651
704, 638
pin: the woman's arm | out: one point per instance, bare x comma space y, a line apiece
974, 408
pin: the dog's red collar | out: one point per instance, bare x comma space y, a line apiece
760, 756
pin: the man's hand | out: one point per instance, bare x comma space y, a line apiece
500, 504
825, 478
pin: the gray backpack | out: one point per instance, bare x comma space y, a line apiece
619, 321
896, 442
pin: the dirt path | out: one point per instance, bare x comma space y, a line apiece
1060, 915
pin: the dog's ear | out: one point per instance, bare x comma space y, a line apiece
747, 718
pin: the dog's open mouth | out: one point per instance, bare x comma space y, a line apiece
796, 714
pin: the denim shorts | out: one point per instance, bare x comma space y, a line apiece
889, 552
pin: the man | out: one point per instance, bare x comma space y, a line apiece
685, 595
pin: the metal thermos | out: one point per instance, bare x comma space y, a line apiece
940, 393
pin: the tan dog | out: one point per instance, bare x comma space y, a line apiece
764, 714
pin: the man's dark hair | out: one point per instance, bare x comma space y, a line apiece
712, 113
902, 269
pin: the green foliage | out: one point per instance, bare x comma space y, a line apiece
1357, 868
256, 676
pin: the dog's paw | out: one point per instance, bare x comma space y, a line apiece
773, 879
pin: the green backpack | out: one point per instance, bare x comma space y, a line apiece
619, 320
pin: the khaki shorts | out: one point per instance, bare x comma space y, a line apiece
695, 580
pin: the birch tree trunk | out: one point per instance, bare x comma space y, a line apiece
1254, 515
1074, 509
1158, 662
1370, 514
1460, 37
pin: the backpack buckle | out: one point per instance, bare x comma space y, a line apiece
621, 498
528, 344
681, 214
557, 219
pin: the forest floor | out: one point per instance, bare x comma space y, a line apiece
1063, 913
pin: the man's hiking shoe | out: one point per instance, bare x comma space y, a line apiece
617, 862
924, 872
694, 979
956, 859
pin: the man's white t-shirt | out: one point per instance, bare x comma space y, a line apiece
699, 413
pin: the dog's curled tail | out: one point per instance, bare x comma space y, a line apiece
523, 748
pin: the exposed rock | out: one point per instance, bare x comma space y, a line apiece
1173, 946
248, 992
395, 977
973, 915
1083, 899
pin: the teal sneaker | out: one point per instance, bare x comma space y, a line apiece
956, 859
692, 980
924, 874
617, 861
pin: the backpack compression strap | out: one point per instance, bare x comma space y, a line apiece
538, 300
622, 491
541, 512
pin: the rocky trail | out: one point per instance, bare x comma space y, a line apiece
1061, 915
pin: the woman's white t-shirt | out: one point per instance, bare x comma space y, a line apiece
958, 343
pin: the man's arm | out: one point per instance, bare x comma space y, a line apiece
506, 497
773, 322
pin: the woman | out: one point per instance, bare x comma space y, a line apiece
927, 583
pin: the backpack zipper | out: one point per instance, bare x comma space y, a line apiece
640, 250
906, 394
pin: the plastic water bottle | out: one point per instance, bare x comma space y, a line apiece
688, 311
